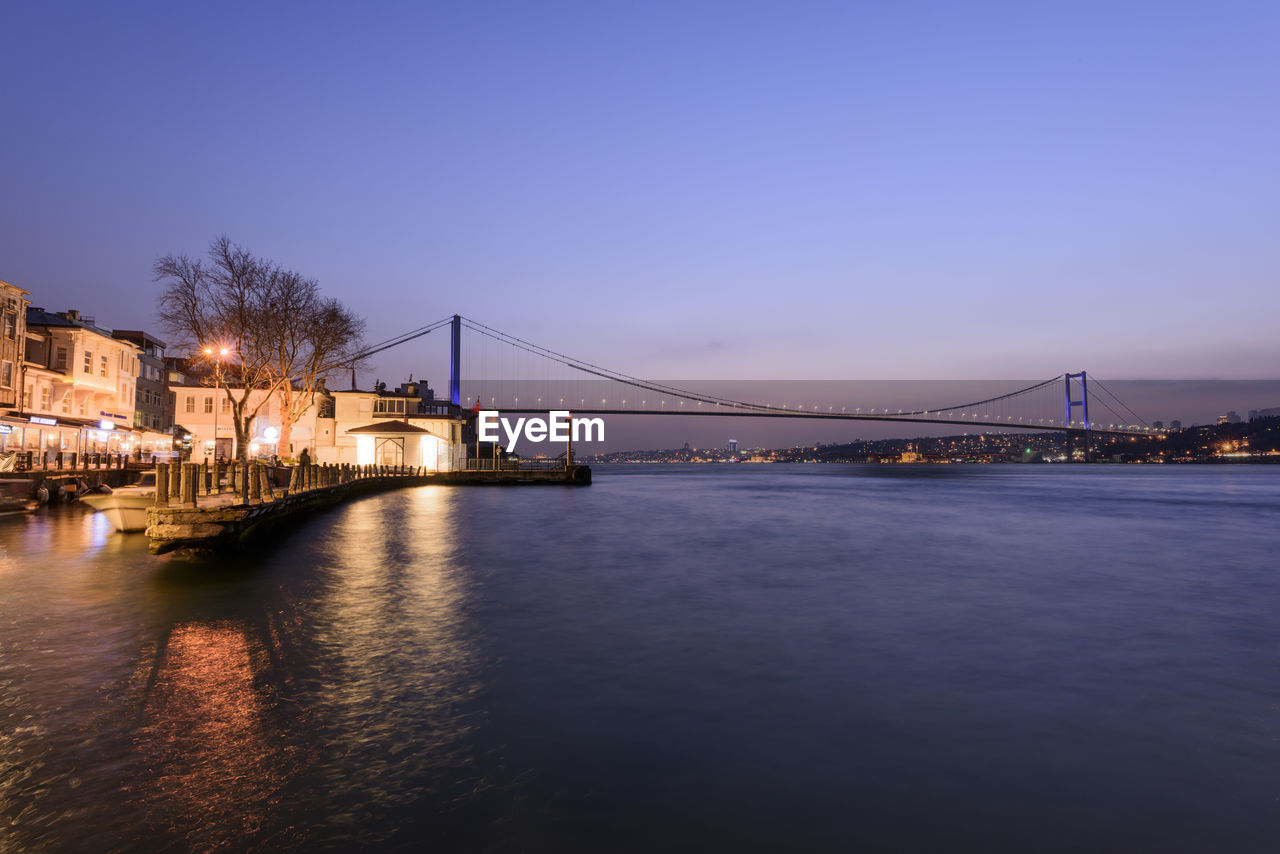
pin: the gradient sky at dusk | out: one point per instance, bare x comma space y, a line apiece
732, 190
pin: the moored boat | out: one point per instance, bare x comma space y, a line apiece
126, 507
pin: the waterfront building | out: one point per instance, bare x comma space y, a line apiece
378, 427
407, 426
203, 412
13, 335
79, 389
153, 407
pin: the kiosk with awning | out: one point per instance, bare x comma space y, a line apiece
395, 443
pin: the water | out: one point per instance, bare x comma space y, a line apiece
706, 658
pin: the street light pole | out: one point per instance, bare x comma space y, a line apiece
217, 387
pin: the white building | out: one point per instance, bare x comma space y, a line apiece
206, 414
354, 427
79, 388
394, 428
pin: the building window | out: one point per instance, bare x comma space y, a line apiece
10, 326
60, 359
66, 404
190, 404
226, 405
44, 398
102, 371
6, 374
388, 406
208, 405
88, 361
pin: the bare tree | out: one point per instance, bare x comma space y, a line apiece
283, 338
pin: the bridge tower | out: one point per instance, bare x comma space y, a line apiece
455, 363
1083, 403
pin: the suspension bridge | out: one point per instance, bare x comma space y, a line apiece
507, 373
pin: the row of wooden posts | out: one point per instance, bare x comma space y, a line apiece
183, 484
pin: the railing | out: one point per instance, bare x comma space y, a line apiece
185, 484
33, 460
515, 465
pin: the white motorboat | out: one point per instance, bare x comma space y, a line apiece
126, 506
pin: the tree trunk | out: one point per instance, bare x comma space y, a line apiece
242, 439
286, 421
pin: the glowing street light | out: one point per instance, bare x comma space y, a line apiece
218, 355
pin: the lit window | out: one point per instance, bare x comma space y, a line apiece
6, 374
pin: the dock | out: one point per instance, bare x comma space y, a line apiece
192, 512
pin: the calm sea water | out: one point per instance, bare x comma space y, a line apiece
986, 658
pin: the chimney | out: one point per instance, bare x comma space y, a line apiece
71, 314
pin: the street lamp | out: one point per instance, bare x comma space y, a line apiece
217, 386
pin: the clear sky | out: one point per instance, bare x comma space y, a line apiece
691, 189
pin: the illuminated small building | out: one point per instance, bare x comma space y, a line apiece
364, 433
395, 443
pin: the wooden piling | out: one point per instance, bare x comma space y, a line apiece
162, 484
187, 485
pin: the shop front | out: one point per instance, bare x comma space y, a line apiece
66, 441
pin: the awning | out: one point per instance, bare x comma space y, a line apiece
388, 428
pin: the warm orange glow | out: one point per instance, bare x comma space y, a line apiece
208, 736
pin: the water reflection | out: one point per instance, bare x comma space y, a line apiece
393, 623
218, 761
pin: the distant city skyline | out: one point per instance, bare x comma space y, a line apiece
679, 190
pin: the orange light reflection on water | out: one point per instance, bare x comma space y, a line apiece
217, 766
395, 615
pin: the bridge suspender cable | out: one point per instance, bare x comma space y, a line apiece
744, 406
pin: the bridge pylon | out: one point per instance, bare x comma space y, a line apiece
455, 363
1083, 403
